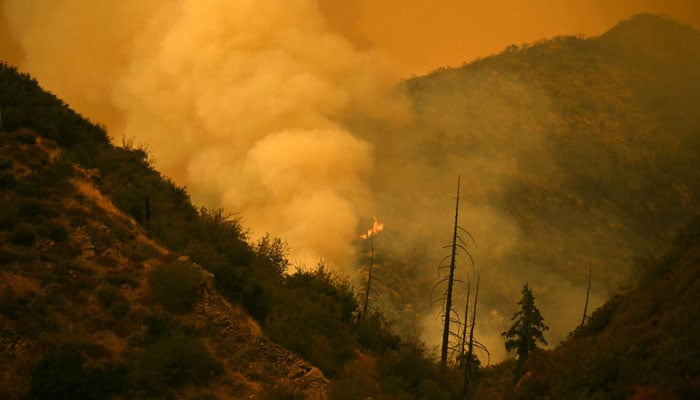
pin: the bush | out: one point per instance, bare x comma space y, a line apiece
161, 326
58, 233
32, 209
62, 375
172, 362
23, 235
8, 217
12, 304
111, 300
24, 137
318, 327
7, 180
281, 391
175, 286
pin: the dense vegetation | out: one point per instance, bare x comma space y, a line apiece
313, 313
573, 152
92, 308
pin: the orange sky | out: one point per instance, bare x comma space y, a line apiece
422, 35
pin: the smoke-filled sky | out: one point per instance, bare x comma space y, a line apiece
244, 101
422, 35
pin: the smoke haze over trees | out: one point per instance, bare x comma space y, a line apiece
573, 151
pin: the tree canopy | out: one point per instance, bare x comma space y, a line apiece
527, 329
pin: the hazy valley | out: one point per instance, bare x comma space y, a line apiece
574, 154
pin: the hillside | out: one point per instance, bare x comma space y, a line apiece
113, 285
640, 345
91, 307
573, 152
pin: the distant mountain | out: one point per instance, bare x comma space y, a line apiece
573, 152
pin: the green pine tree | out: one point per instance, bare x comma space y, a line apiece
527, 329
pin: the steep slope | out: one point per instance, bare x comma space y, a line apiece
115, 286
573, 152
83, 311
91, 305
640, 345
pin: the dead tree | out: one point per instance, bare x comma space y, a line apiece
376, 228
369, 276
457, 243
450, 284
470, 353
588, 293
464, 326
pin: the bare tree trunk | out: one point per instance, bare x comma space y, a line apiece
450, 283
588, 292
464, 328
470, 353
369, 277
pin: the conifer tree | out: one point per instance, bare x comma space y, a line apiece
527, 329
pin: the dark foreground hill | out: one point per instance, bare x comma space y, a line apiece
92, 306
640, 345
113, 285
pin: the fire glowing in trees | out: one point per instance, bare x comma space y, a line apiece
376, 228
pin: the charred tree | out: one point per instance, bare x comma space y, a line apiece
468, 365
369, 276
448, 313
450, 285
465, 325
588, 293
376, 228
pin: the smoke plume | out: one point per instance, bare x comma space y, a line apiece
268, 110
238, 101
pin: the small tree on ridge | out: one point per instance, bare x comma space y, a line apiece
527, 329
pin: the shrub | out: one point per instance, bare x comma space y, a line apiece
175, 286
8, 217
24, 137
12, 304
63, 375
281, 391
58, 233
110, 298
161, 326
7, 180
171, 362
318, 327
32, 209
23, 235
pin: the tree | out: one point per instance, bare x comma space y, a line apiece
527, 329
450, 284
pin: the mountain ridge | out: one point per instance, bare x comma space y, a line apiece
573, 152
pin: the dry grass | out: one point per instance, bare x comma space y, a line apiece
90, 192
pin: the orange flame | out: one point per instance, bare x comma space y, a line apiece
376, 228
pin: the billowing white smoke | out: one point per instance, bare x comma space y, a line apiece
237, 100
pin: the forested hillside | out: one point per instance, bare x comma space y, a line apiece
113, 285
574, 153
